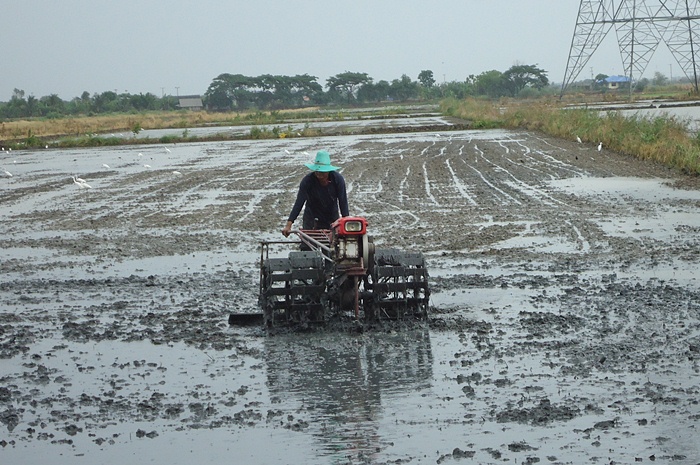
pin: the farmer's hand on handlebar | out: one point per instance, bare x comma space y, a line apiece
287, 229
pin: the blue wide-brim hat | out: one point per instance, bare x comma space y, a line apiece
322, 163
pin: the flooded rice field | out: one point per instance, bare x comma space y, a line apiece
564, 323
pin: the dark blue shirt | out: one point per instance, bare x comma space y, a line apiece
321, 203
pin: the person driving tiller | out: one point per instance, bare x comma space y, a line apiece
322, 195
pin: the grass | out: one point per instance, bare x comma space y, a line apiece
83, 131
665, 140
87, 125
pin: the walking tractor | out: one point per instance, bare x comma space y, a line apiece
338, 275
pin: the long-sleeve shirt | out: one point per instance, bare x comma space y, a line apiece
321, 204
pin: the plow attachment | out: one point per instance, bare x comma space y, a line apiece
339, 276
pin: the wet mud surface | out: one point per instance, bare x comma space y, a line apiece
564, 325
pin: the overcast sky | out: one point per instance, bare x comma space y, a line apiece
178, 47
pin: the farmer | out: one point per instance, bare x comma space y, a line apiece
323, 192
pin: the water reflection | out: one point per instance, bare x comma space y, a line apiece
337, 382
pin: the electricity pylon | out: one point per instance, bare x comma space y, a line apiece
640, 25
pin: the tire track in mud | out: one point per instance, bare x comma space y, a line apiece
426, 183
509, 181
495, 171
448, 187
545, 161
461, 186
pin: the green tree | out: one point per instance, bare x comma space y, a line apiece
51, 105
305, 88
263, 92
17, 106
456, 90
141, 102
80, 105
599, 81
518, 77
373, 92
489, 83
426, 78
104, 102
217, 95
345, 85
659, 79
235, 91
231, 92
403, 89
641, 85
32, 107
382, 89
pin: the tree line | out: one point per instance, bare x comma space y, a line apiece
236, 92
52, 106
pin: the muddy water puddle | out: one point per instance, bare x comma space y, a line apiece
565, 315
420, 396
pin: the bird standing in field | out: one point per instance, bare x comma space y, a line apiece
600, 146
578, 139
81, 183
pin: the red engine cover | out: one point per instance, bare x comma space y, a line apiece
356, 224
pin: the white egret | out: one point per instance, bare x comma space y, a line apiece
105, 165
81, 183
167, 149
7, 173
600, 146
578, 139
177, 173
146, 166
140, 154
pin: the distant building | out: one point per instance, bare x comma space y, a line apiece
190, 102
614, 82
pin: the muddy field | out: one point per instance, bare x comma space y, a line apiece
565, 310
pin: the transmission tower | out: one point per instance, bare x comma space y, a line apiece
640, 26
